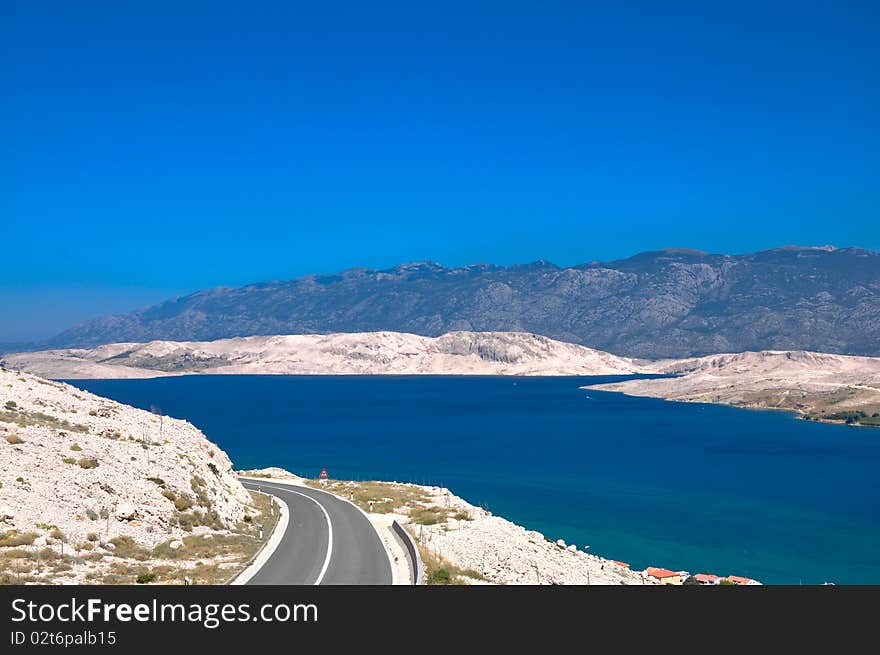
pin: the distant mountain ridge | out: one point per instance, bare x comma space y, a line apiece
667, 303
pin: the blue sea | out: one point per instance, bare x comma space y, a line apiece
686, 486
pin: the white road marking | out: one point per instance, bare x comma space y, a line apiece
329, 529
285, 517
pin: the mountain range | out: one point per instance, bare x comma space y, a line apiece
667, 303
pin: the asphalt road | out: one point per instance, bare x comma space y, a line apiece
327, 541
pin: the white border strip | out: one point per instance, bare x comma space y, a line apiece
269, 547
261, 482
297, 483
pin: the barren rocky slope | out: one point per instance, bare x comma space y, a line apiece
820, 386
105, 483
669, 303
483, 353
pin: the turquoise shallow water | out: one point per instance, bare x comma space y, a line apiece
695, 487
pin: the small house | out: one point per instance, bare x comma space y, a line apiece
664, 576
739, 580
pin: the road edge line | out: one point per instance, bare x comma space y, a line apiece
298, 483
268, 548
272, 484
394, 580
329, 554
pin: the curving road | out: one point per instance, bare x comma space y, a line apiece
327, 541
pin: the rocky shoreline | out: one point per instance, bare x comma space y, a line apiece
461, 543
822, 387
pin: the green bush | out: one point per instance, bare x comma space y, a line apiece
88, 462
146, 578
158, 481
75, 447
68, 460
439, 576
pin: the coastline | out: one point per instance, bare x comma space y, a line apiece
461, 543
795, 412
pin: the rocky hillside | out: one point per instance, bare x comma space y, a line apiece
670, 303
96, 478
493, 353
819, 386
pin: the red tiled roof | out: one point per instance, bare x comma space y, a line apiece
623, 564
736, 579
706, 577
655, 572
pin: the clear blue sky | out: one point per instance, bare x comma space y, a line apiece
152, 149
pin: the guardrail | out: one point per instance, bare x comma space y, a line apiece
412, 552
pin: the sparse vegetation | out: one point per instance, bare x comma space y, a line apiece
157, 481
440, 571
385, 496
850, 417
68, 460
25, 419
12, 538
428, 515
11, 405
128, 548
75, 447
189, 520
145, 578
